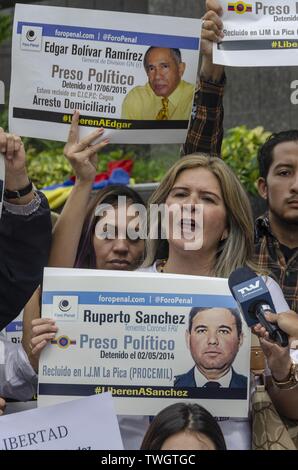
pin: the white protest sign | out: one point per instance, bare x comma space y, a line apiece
2, 93
66, 59
258, 33
14, 330
127, 333
2, 179
60, 427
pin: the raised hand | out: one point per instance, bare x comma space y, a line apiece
212, 29
11, 146
81, 154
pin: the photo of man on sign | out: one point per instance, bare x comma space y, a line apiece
165, 96
213, 338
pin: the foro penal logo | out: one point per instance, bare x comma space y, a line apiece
240, 7
30, 35
31, 38
63, 342
64, 305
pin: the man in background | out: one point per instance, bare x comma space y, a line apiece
276, 232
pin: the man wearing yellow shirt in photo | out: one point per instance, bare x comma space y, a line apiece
165, 96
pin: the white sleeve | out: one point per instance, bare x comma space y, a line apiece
277, 296
18, 380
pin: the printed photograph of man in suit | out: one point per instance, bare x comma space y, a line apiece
213, 338
166, 95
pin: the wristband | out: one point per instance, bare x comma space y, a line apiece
19, 192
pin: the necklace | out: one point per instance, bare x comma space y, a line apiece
162, 264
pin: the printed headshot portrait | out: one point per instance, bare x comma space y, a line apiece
214, 337
166, 96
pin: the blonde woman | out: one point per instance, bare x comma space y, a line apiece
226, 245
227, 219
227, 242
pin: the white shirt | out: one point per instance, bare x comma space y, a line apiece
223, 381
18, 380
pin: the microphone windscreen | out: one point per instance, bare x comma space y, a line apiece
240, 275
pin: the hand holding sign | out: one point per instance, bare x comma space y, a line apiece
212, 26
2, 405
43, 330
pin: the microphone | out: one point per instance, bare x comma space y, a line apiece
254, 299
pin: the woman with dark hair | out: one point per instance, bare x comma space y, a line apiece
77, 241
91, 244
91, 234
184, 426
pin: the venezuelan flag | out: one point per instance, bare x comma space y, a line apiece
240, 7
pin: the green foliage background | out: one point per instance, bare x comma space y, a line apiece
5, 27
47, 165
239, 150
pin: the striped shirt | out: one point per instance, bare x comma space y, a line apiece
205, 132
269, 256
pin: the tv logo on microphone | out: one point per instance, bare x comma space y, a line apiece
249, 288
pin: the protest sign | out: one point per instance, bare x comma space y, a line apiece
59, 427
14, 330
127, 333
261, 33
2, 93
94, 62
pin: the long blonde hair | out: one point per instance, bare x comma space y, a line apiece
237, 249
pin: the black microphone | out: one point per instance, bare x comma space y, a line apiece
254, 300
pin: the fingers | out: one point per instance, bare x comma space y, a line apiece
42, 321
2, 405
288, 322
97, 147
259, 330
41, 326
87, 141
43, 330
84, 146
271, 317
2, 141
213, 21
265, 345
212, 27
215, 6
269, 346
10, 144
73, 135
211, 34
36, 349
